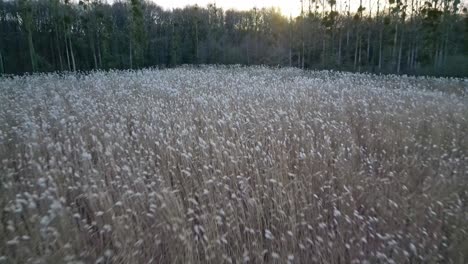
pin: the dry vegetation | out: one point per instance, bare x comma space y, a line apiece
233, 165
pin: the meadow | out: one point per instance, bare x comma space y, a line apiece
233, 165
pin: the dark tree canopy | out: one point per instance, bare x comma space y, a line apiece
407, 36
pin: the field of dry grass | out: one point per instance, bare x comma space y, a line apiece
233, 165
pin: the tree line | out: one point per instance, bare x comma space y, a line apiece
382, 36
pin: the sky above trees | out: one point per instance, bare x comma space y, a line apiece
287, 7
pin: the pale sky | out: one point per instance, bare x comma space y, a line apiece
287, 7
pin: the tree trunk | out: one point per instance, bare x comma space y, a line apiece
32, 54
408, 56
92, 44
130, 54
52, 53
356, 51
2, 67
290, 42
415, 58
71, 53
324, 46
395, 44
196, 43
399, 54
59, 51
445, 51
93, 49
99, 51
360, 56
303, 55
441, 56
302, 36
368, 46
247, 49
67, 53
256, 57
339, 50
347, 38
380, 49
